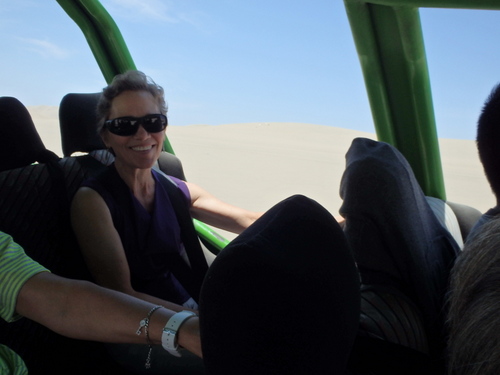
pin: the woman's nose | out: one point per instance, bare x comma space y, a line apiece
141, 133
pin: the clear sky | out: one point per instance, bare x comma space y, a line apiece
239, 61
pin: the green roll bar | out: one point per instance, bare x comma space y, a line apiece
113, 57
104, 39
102, 34
390, 46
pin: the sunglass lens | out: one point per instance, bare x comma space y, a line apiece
124, 126
154, 123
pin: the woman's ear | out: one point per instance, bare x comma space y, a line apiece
104, 137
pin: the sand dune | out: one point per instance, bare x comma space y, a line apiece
254, 165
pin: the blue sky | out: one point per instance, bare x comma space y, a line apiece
239, 61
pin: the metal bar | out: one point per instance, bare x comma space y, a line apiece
458, 4
94, 41
391, 51
109, 34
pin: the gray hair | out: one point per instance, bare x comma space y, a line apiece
474, 306
132, 80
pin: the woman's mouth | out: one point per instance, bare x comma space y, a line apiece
142, 148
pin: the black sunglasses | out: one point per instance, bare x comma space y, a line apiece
129, 125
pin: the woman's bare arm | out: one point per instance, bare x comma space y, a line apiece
211, 210
83, 310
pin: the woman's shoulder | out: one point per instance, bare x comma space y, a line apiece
107, 185
102, 176
173, 181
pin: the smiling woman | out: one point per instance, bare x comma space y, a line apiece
126, 218
138, 150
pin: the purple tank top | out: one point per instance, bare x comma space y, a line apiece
147, 238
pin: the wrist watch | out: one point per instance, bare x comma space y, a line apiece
169, 335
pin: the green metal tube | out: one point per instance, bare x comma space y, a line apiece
458, 4
213, 238
102, 34
110, 36
89, 31
366, 45
391, 51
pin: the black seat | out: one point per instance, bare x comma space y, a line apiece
21, 144
467, 217
77, 120
34, 210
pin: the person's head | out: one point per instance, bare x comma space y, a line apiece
488, 140
133, 80
474, 306
131, 119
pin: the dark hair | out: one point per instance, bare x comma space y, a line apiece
474, 306
132, 80
488, 140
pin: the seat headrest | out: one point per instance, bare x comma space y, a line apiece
21, 143
78, 123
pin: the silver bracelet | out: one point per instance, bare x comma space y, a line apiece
144, 323
169, 335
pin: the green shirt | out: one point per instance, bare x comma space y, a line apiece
15, 269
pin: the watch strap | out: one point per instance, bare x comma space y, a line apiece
169, 334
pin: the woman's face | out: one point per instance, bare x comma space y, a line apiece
142, 149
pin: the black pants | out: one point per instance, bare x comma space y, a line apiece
396, 239
283, 297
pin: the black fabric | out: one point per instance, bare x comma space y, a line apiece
78, 123
21, 144
389, 315
192, 277
34, 210
34, 213
396, 239
283, 297
371, 356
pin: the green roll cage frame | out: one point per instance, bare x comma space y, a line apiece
390, 46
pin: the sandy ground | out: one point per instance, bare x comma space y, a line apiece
255, 165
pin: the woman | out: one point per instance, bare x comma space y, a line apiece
130, 241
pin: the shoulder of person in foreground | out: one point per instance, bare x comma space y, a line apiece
474, 305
